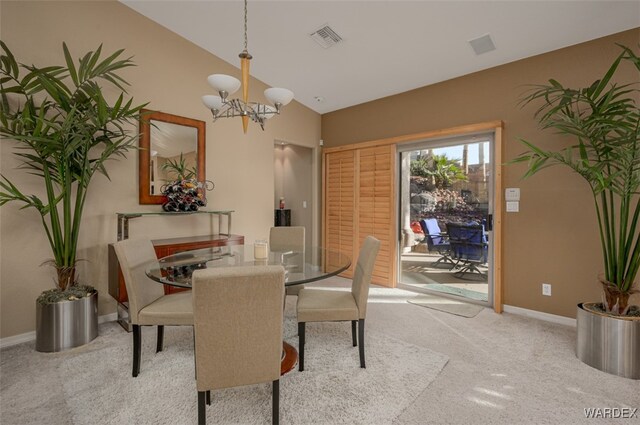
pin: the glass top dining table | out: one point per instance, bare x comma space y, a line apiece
300, 266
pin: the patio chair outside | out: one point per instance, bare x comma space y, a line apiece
436, 240
468, 246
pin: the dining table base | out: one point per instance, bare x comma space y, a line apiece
289, 358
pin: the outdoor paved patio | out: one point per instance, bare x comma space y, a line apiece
418, 271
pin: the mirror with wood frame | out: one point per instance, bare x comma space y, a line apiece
169, 145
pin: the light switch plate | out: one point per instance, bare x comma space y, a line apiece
513, 206
512, 194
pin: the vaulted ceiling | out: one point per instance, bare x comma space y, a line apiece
388, 47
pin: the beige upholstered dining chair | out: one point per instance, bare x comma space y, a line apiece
287, 238
238, 318
321, 305
147, 303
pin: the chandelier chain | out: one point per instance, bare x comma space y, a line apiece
245, 25
224, 107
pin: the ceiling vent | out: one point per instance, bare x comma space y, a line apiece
325, 37
482, 44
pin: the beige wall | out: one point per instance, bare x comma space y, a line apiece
293, 181
554, 236
171, 75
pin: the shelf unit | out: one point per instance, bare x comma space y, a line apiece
123, 219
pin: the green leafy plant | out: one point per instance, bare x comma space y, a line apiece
65, 130
179, 168
442, 170
604, 119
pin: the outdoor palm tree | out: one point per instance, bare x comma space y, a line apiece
442, 170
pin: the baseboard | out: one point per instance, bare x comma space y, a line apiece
547, 317
31, 336
17, 339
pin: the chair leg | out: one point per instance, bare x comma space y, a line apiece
354, 333
361, 338
301, 346
202, 408
160, 341
445, 259
456, 264
208, 397
469, 267
136, 350
276, 402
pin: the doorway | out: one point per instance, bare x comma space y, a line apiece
293, 187
446, 207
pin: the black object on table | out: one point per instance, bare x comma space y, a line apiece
282, 217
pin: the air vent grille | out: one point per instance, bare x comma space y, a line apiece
326, 37
482, 44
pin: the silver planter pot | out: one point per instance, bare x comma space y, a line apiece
66, 324
608, 343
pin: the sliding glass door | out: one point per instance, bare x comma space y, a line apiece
445, 210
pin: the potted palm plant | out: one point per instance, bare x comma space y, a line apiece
604, 121
64, 130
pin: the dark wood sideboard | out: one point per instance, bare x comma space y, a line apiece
163, 247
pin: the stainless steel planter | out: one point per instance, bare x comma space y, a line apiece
66, 324
608, 343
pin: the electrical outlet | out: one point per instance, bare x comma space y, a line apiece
546, 289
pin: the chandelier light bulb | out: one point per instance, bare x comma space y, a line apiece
224, 83
212, 102
277, 95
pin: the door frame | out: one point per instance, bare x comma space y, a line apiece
496, 127
403, 151
315, 234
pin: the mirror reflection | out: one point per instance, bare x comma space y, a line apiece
171, 148
173, 153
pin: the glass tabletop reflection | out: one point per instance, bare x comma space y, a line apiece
300, 266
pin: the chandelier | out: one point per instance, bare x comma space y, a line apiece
223, 107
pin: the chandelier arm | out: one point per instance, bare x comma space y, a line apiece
253, 113
264, 109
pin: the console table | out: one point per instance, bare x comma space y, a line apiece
163, 248
123, 219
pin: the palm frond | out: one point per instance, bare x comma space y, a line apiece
605, 120
65, 129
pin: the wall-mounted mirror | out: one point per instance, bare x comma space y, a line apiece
168, 139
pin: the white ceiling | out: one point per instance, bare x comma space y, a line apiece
389, 46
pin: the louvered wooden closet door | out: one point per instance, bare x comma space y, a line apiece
375, 207
340, 203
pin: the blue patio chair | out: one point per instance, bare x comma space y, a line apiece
468, 246
436, 240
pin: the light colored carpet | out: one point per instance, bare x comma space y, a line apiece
503, 369
97, 388
458, 308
